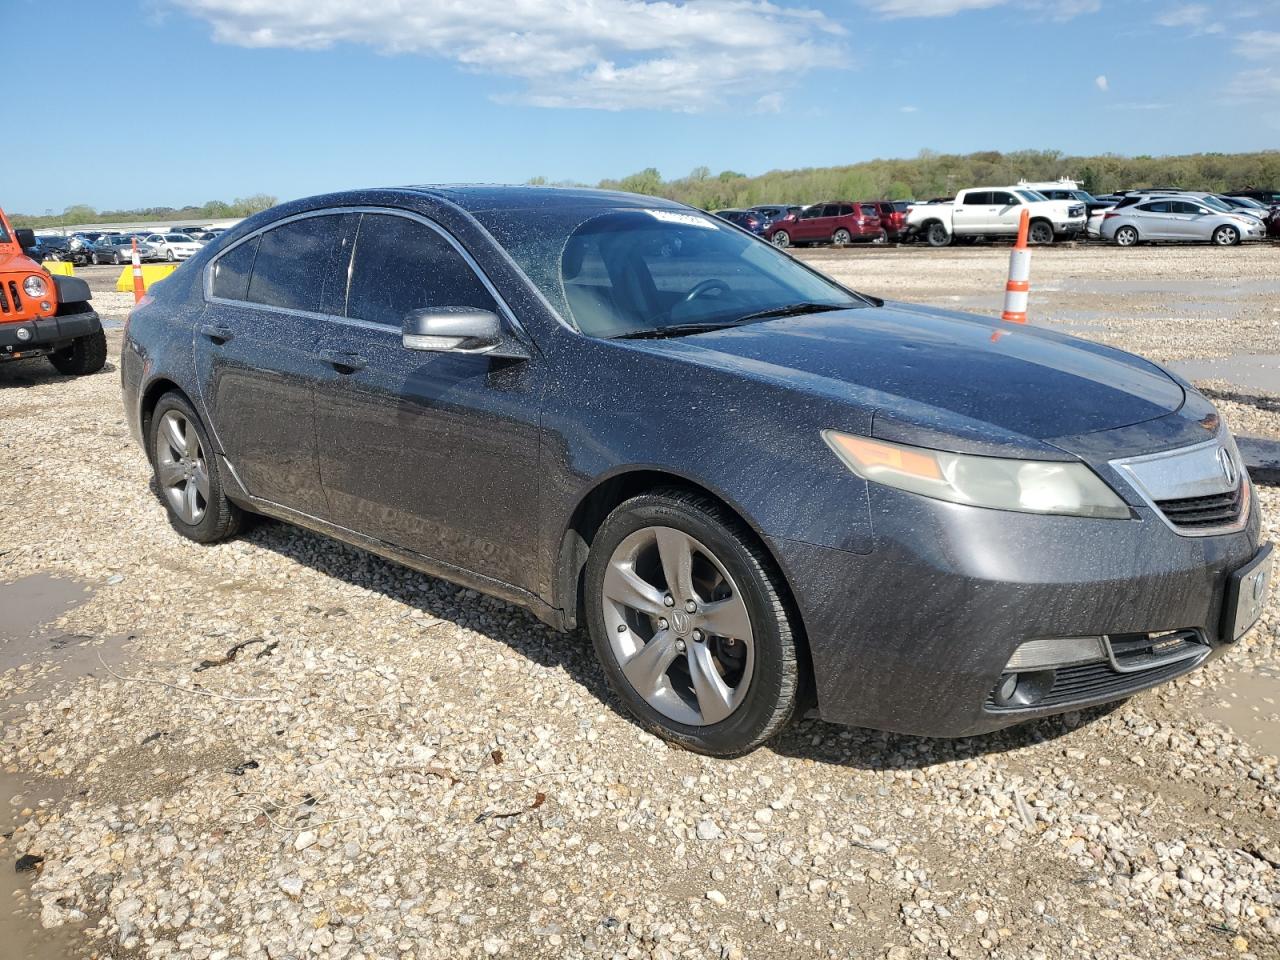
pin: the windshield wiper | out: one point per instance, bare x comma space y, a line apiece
673, 330
790, 310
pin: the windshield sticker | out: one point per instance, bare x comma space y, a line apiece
684, 219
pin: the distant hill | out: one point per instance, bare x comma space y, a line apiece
83, 213
931, 174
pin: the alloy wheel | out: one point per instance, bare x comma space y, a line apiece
678, 626
180, 467
781, 239
1225, 236
1126, 236
840, 238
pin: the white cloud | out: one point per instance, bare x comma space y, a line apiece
1100, 81
769, 103
1261, 84
908, 109
604, 54
893, 9
1194, 16
1258, 44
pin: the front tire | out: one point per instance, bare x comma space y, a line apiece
94, 258
168, 255
1040, 233
187, 473
781, 239
687, 618
1226, 236
85, 355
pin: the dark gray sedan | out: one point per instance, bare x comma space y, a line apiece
113, 248
754, 487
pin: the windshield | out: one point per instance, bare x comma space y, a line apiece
1032, 195
4, 234
616, 272
1216, 204
1249, 202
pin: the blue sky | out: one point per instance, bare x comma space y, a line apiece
292, 97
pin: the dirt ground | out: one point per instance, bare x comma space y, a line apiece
284, 747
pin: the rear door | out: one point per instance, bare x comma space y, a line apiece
436, 453
970, 214
256, 351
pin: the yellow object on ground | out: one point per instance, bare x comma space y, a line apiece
63, 267
151, 273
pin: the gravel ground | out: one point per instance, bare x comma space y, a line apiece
391, 767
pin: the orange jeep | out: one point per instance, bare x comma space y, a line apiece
42, 315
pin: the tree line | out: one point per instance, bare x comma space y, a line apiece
83, 213
930, 174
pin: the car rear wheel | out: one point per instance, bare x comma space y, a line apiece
1127, 236
780, 238
1226, 236
937, 235
187, 473
85, 355
841, 237
882, 237
1040, 233
687, 618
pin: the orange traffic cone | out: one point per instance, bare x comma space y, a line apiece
139, 288
1017, 289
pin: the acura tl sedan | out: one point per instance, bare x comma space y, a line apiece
755, 488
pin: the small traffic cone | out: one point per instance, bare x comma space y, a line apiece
139, 288
1018, 287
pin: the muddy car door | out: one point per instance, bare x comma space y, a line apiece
256, 353
433, 452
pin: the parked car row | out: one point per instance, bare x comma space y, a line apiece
1058, 210
117, 248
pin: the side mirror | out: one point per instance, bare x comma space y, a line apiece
26, 237
460, 330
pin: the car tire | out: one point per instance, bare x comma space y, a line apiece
168, 255
841, 237
115, 258
85, 355
781, 239
1126, 236
881, 238
936, 234
180, 462
1226, 236
1040, 233
688, 694
94, 259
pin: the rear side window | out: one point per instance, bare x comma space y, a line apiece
402, 265
846, 210
869, 210
976, 198
232, 269
831, 210
1160, 206
296, 267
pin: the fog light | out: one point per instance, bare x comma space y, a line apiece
1014, 690
24, 333
46, 305
1006, 688
1057, 652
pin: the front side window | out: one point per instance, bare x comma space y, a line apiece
297, 265
231, 271
401, 265
810, 213
631, 271
1003, 199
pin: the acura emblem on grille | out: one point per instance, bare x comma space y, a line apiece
1228, 465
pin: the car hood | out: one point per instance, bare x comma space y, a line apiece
933, 374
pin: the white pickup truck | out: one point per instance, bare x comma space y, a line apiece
995, 212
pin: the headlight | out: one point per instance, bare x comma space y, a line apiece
1028, 486
35, 287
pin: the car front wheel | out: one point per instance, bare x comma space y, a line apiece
187, 473
1226, 236
687, 618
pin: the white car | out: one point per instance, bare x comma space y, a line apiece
173, 246
996, 212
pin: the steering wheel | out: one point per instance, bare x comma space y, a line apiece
703, 287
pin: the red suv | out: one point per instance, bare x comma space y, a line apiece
893, 217
839, 222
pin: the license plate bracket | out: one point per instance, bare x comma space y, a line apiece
1247, 591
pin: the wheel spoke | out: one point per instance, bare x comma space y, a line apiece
202, 480
623, 585
677, 562
173, 435
191, 502
192, 447
169, 474
646, 669
715, 698
727, 618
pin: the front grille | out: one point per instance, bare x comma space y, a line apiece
14, 296
1144, 660
1199, 513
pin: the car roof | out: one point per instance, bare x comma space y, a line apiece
475, 198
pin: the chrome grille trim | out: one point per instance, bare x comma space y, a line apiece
1212, 471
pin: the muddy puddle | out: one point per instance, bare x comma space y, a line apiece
1249, 704
45, 658
1258, 371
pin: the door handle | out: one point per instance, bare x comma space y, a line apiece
343, 362
217, 333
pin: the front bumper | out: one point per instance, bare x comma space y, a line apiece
34, 338
914, 636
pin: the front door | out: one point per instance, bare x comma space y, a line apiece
255, 351
436, 453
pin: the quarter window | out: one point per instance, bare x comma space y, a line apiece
298, 265
232, 269
402, 265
